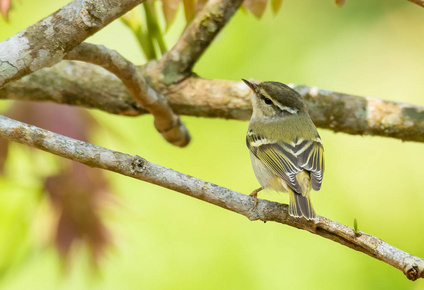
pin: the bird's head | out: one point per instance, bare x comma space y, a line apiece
273, 99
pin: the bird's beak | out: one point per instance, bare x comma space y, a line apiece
252, 86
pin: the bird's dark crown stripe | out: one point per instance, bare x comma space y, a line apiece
263, 95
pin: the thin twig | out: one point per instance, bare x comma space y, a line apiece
166, 122
72, 83
45, 43
137, 167
177, 63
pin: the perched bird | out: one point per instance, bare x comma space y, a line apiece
285, 147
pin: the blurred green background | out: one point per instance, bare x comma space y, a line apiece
165, 240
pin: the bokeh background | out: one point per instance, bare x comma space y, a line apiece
164, 240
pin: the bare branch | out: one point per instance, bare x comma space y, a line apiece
137, 167
45, 43
86, 85
177, 63
364, 115
77, 84
418, 2
166, 122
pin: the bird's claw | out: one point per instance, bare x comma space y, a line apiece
254, 195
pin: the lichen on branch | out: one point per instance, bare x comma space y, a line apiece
46, 42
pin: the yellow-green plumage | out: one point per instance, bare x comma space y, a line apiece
285, 148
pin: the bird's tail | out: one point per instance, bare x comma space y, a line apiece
301, 206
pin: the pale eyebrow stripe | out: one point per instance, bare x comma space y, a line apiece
290, 110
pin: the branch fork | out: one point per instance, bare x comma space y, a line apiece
172, 76
166, 122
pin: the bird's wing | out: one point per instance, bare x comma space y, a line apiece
311, 158
287, 160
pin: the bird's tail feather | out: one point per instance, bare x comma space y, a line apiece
301, 206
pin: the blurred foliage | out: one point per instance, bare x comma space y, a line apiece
144, 21
146, 29
339, 2
76, 196
4, 8
75, 192
165, 240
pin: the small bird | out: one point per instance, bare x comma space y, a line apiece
285, 148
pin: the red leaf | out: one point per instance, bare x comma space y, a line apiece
65, 120
5, 8
189, 10
169, 8
339, 2
257, 7
77, 195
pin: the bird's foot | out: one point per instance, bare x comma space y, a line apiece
254, 195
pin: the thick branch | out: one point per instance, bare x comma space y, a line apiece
86, 85
45, 43
166, 122
177, 63
137, 167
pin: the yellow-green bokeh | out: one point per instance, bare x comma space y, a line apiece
165, 240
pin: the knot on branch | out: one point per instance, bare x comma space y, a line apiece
412, 273
138, 165
414, 268
90, 14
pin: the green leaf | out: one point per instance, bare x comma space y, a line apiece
132, 19
276, 5
355, 226
153, 27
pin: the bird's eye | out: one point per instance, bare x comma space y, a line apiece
267, 101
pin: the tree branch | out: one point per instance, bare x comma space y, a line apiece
177, 63
89, 86
166, 122
45, 43
418, 2
139, 168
